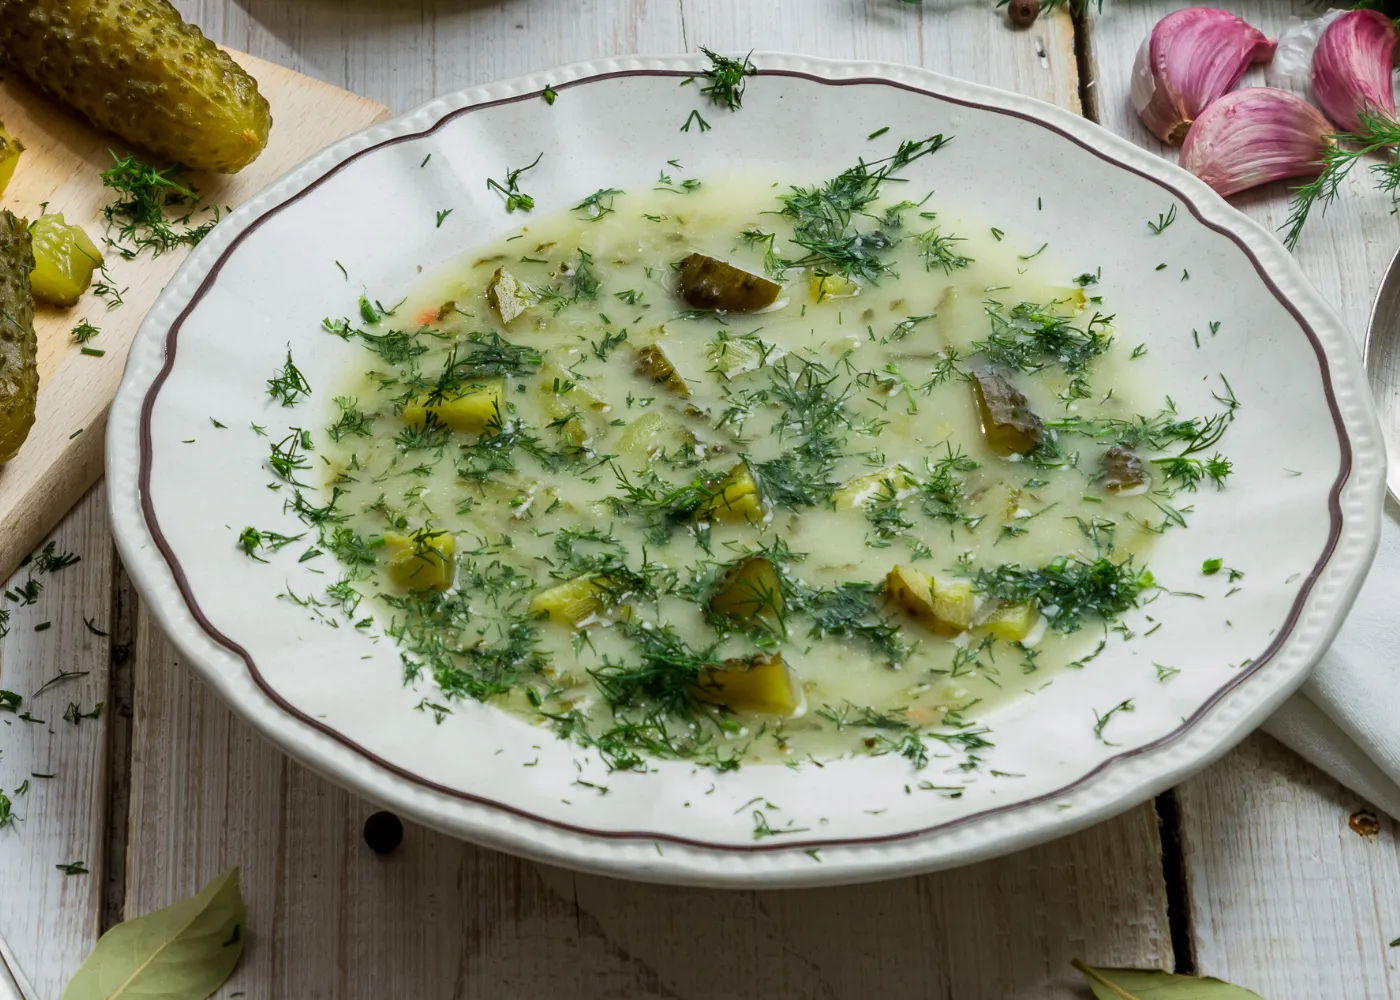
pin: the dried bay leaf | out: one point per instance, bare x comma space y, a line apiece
183, 952
1154, 984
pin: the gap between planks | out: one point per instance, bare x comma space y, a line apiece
120, 707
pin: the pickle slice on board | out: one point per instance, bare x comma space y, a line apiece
10, 148
64, 259
19, 348
135, 67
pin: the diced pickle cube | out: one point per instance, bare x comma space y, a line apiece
64, 259
1008, 425
750, 589
653, 364
833, 286
480, 408
736, 498
10, 148
645, 436
421, 561
943, 608
760, 684
572, 602
707, 283
1011, 621
559, 381
861, 490
735, 356
1122, 470
508, 295
569, 423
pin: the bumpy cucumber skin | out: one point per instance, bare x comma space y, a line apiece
135, 67
19, 348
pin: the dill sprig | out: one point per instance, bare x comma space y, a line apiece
289, 384
1069, 589
510, 189
598, 204
1379, 131
726, 79
823, 217
937, 250
139, 213
84, 332
1030, 337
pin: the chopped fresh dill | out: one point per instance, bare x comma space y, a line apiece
510, 189
1163, 221
697, 119
84, 332
726, 79
139, 213
289, 384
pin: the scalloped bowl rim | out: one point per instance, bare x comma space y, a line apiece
1117, 783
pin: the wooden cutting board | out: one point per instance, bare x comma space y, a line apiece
64, 156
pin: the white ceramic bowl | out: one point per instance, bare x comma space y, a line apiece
1300, 516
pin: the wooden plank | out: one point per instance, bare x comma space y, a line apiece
971, 41
1286, 898
329, 918
61, 166
1283, 897
50, 919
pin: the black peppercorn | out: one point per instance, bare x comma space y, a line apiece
1022, 13
383, 832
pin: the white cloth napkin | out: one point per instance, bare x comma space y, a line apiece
1346, 717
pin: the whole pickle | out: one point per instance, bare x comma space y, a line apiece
19, 349
135, 67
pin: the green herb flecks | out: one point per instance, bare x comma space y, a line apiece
937, 250
289, 384
139, 214
84, 332
510, 189
725, 79
823, 218
1030, 338
1069, 589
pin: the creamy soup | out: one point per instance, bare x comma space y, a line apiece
739, 471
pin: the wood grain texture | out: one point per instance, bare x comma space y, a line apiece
439, 918
444, 919
1280, 899
1284, 898
61, 166
50, 919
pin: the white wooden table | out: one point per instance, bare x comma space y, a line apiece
1250, 871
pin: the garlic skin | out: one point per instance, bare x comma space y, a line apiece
1253, 136
1352, 65
1191, 58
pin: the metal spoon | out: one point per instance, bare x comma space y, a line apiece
1382, 357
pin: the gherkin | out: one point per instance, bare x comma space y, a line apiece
19, 371
135, 67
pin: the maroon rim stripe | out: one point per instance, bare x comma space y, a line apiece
144, 478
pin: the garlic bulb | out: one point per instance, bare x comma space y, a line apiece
1352, 65
1253, 136
1190, 59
